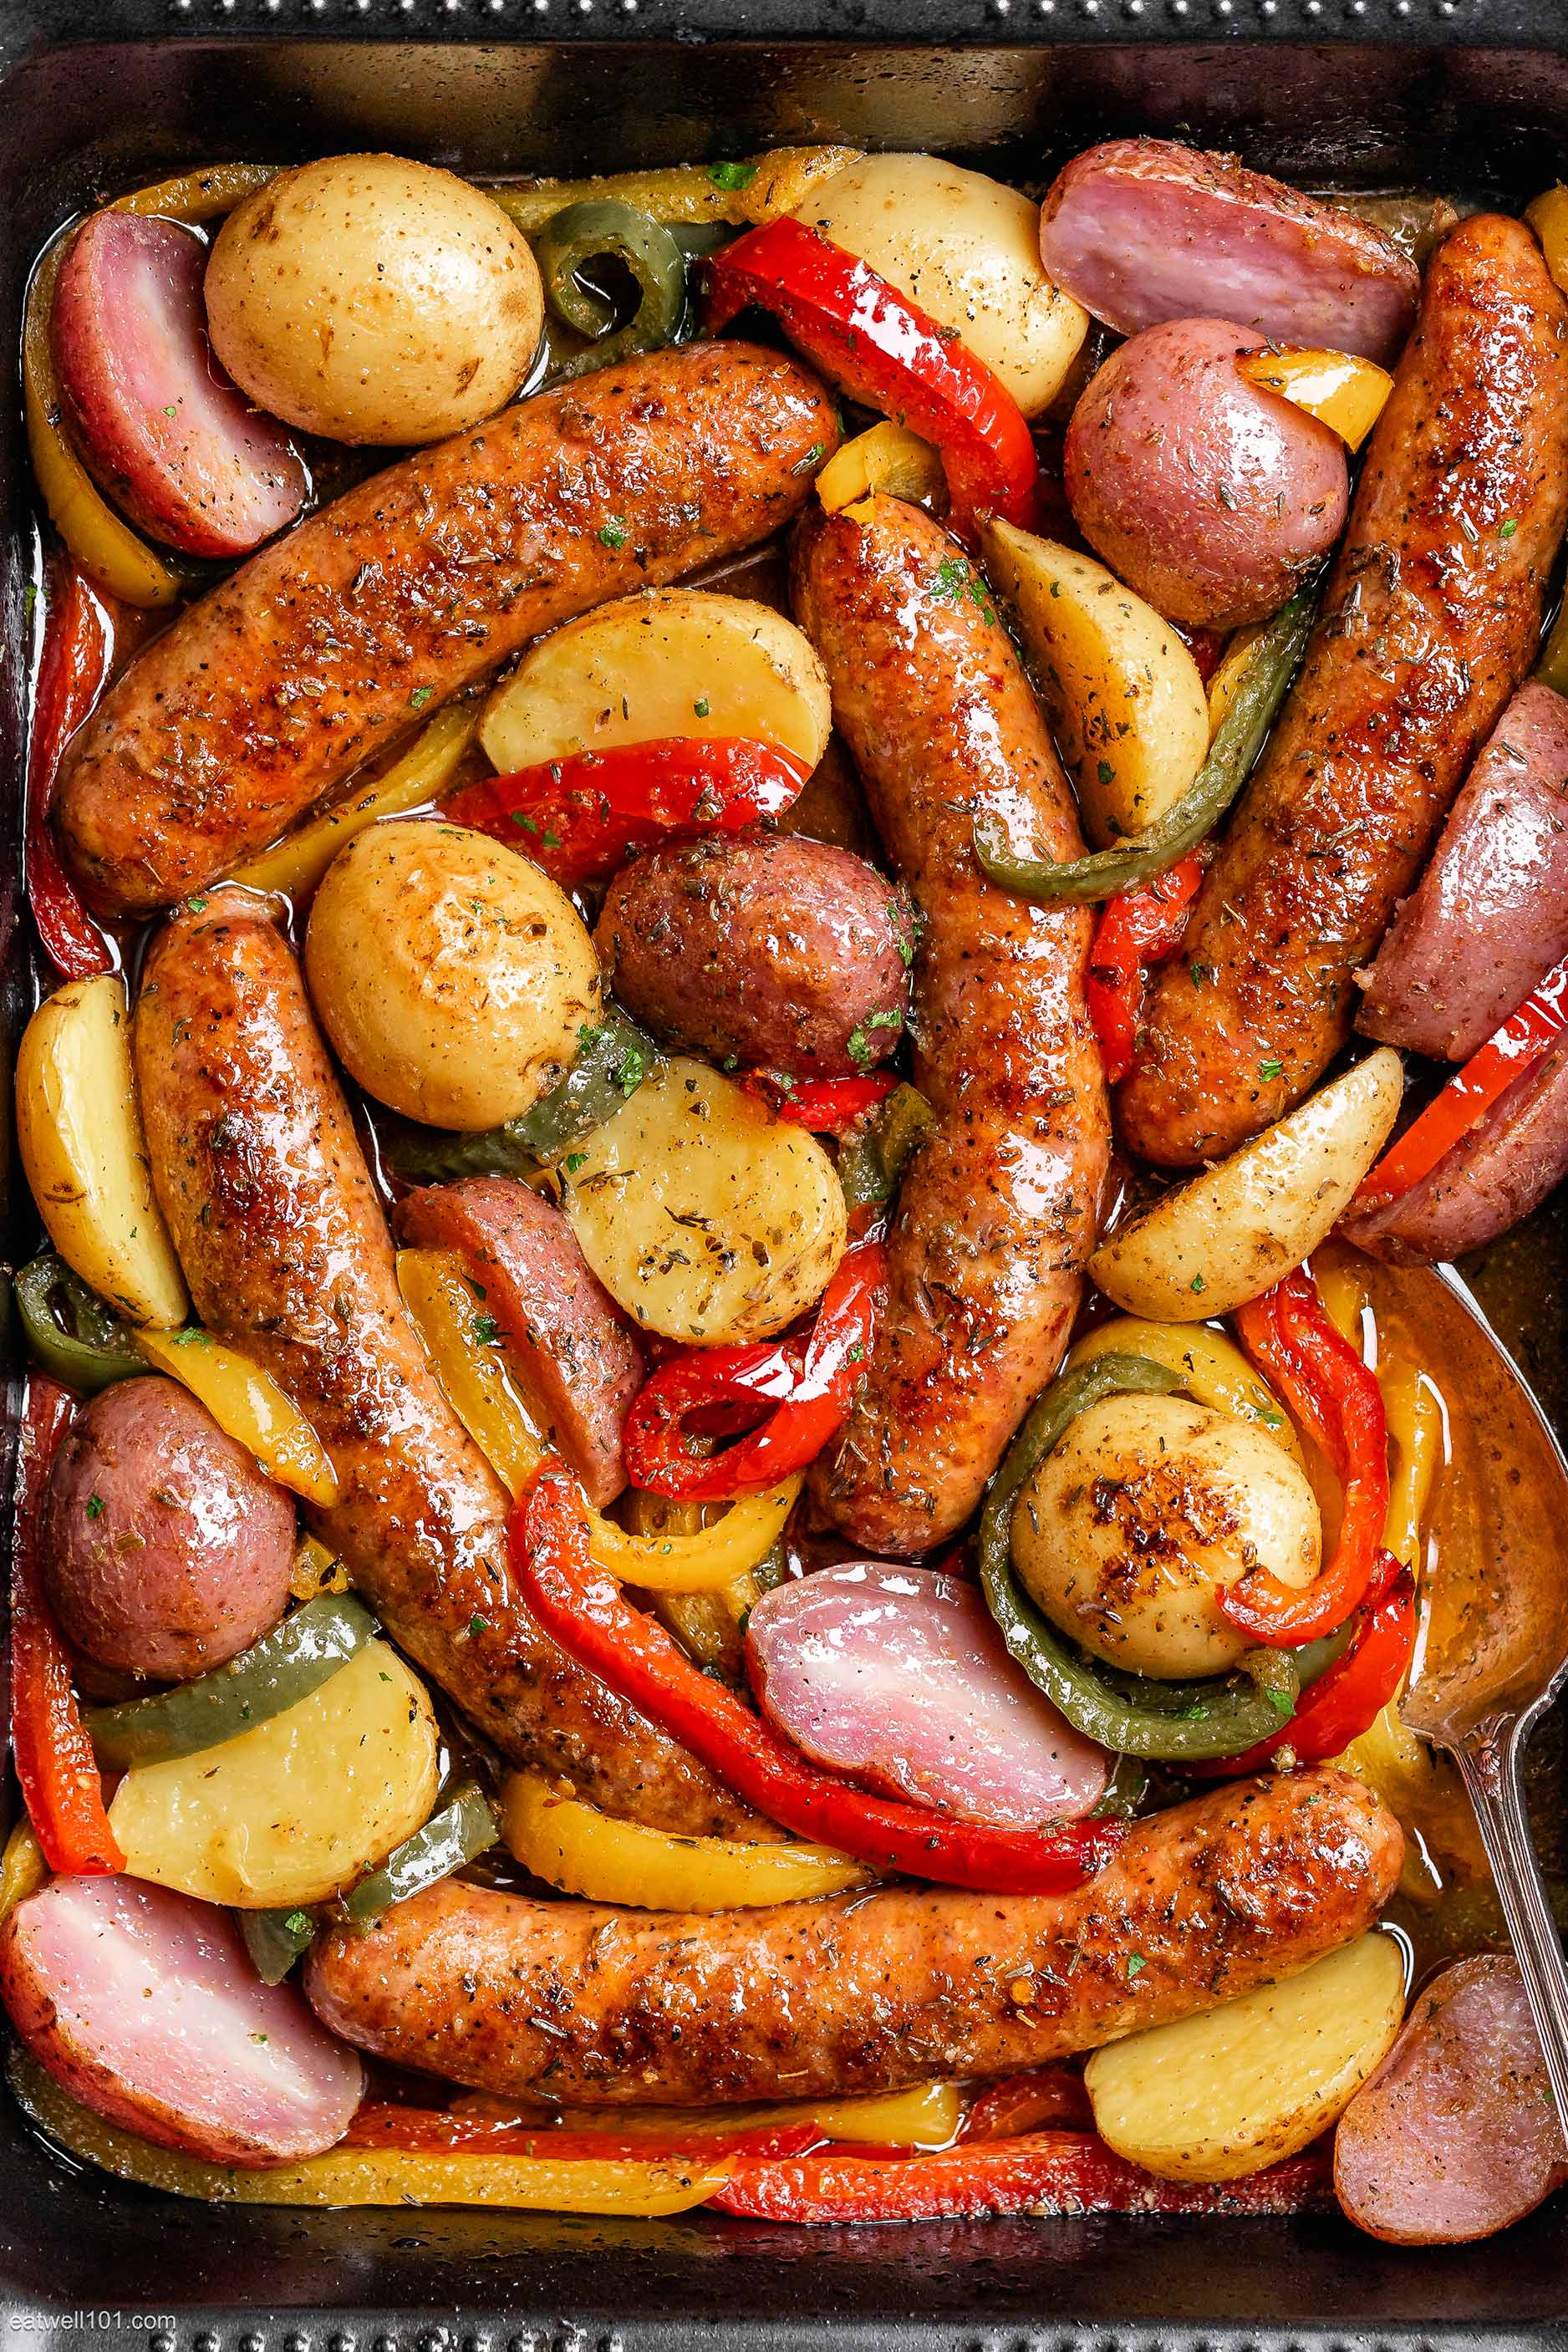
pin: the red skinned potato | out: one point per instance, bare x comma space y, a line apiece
899, 1677
781, 951
1489, 914
1208, 495
568, 1345
1142, 230
166, 1549
143, 2004
177, 446
1456, 2136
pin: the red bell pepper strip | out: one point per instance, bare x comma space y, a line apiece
888, 353
1138, 929
1348, 1699
1028, 2103
578, 817
1042, 2172
1328, 1388
1491, 1069
61, 1785
71, 674
588, 1615
386, 2122
826, 1105
659, 1457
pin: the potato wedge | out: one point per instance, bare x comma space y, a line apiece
1226, 2092
1124, 693
703, 1215
1224, 1237
672, 661
295, 1808
78, 1128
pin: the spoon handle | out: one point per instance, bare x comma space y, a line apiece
1489, 1763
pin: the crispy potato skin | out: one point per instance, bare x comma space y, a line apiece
1430, 620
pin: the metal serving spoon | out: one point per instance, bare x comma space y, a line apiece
1494, 1646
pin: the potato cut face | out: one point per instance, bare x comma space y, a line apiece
1223, 2093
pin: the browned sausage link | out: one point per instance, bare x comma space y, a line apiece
998, 1211
575, 2001
327, 644
1431, 618
262, 1180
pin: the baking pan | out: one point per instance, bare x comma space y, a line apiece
96, 96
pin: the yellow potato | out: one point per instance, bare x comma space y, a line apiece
965, 249
373, 299
703, 1215
295, 1808
1146, 1510
672, 661
1124, 693
1227, 1235
451, 976
79, 1129
1234, 2089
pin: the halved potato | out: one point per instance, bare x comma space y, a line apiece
1124, 693
295, 1808
1223, 2093
672, 661
78, 1128
703, 1215
1227, 1235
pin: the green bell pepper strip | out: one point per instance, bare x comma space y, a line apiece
1105, 873
277, 1671
274, 1940
603, 228
1130, 1715
89, 1349
873, 1160
462, 1829
617, 1056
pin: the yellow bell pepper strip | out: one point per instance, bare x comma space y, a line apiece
1342, 391
197, 196
316, 1571
889, 458
736, 195
1548, 216
580, 1850
23, 1870
349, 2176
1210, 1369
928, 2115
296, 863
249, 1405
473, 1375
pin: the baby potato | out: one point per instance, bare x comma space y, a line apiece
78, 1128
1222, 2094
452, 976
1145, 1511
965, 249
1126, 699
373, 300
672, 661
704, 1216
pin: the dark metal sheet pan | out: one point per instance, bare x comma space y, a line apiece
96, 95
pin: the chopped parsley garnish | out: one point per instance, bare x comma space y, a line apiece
574, 1160
95, 1507
1136, 1964
732, 176
1270, 1069
702, 708
858, 1045
486, 1330
1106, 773
420, 697
478, 1625
1508, 527
613, 532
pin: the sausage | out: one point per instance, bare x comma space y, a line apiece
773, 949
567, 1343
1431, 618
577, 2002
1489, 914
1141, 230
998, 1210
267, 1198
414, 586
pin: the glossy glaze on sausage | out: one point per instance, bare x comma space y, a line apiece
580, 2004
1431, 618
267, 1196
334, 641
998, 1210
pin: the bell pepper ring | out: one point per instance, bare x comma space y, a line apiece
584, 1610
72, 673
810, 1408
1331, 1391
579, 817
1137, 930
885, 351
